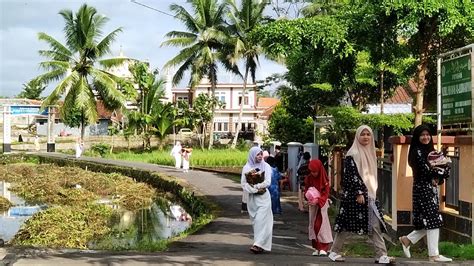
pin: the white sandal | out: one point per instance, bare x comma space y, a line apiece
406, 250
384, 259
441, 258
336, 257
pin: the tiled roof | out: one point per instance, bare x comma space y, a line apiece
400, 96
265, 102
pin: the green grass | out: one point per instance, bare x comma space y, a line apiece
199, 158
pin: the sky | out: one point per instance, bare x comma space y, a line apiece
143, 32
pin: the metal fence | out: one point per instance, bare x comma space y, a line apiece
384, 191
452, 183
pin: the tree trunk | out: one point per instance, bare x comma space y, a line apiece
83, 127
213, 94
239, 121
420, 88
382, 100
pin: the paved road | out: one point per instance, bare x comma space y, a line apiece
226, 240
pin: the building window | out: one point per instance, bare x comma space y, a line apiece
220, 96
246, 100
182, 98
226, 127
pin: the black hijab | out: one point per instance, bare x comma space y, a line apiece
417, 145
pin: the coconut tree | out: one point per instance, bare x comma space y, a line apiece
74, 65
202, 44
243, 20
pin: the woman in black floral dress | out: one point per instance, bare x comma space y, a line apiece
426, 217
360, 212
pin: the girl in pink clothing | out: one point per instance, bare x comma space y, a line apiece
319, 228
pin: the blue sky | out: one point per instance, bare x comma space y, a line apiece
143, 32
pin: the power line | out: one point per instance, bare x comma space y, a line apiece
152, 8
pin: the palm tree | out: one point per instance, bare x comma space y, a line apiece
244, 20
74, 65
202, 44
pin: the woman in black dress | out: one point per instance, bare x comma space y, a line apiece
360, 212
426, 217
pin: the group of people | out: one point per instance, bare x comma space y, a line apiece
359, 211
182, 155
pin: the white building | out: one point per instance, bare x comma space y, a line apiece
226, 118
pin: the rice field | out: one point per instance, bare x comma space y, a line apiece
199, 158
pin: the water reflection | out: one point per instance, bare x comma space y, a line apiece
144, 228
140, 229
12, 219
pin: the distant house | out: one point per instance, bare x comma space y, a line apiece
266, 105
226, 118
106, 118
400, 103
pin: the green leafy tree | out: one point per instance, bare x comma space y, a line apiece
150, 90
203, 43
32, 90
202, 110
431, 27
163, 120
243, 20
285, 127
74, 65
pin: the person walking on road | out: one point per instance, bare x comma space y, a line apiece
37, 143
426, 217
176, 153
301, 174
359, 211
259, 203
316, 187
274, 187
186, 153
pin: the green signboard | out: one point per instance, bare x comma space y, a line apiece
456, 90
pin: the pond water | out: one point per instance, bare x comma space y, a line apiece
13, 218
130, 229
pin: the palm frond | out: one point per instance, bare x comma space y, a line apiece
53, 75
182, 14
55, 45
66, 83
112, 62
103, 47
55, 65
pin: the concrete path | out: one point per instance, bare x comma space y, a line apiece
225, 241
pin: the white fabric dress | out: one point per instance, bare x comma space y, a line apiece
176, 153
260, 206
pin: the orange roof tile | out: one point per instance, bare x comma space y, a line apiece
400, 96
265, 102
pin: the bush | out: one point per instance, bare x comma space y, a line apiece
101, 148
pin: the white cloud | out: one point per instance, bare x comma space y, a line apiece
143, 32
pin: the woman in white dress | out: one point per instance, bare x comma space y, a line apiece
79, 147
176, 153
186, 152
259, 203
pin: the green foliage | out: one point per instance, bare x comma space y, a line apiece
285, 127
101, 148
5, 204
348, 119
72, 117
65, 227
283, 37
32, 90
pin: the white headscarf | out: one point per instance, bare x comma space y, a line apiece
366, 160
176, 149
251, 162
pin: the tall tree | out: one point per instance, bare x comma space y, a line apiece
243, 20
202, 44
150, 90
74, 65
428, 26
32, 90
